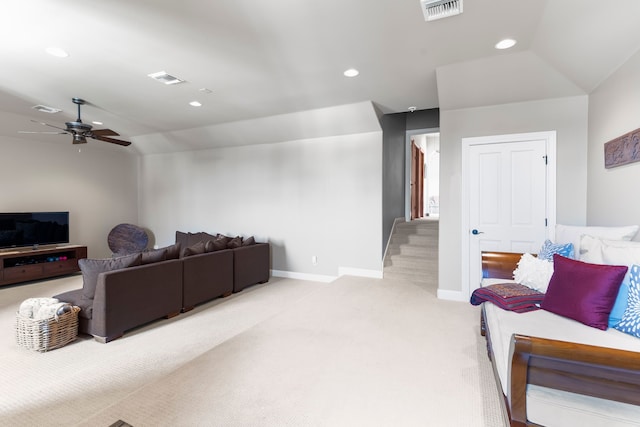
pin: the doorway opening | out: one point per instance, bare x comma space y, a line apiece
422, 195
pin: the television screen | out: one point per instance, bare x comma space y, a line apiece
33, 228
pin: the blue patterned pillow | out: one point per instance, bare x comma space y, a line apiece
630, 323
549, 248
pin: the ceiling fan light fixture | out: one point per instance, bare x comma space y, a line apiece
79, 139
166, 78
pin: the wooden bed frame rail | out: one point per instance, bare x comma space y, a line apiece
499, 265
601, 372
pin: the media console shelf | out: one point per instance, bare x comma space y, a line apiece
24, 264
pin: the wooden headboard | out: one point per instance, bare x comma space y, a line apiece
499, 265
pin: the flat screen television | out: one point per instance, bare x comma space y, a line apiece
20, 229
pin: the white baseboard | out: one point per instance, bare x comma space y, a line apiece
342, 271
302, 276
360, 272
451, 295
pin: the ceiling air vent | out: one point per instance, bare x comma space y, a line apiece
165, 78
437, 9
45, 109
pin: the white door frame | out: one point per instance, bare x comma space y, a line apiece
407, 167
550, 138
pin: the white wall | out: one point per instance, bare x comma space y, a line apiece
316, 197
567, 116
98, 185
614, 109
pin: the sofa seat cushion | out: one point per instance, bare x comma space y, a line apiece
77, 298
549, 407
503, 324
91, 268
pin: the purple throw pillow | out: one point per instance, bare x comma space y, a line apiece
582, 291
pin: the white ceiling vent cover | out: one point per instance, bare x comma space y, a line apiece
438, 9
166, 78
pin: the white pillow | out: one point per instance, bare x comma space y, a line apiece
573, 234
533, 272
612, 252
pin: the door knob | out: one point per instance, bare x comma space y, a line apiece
474, 231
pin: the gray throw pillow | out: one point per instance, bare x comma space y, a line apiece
198, 248
173, 251
236, 242
91, 268
249, 241
154, 255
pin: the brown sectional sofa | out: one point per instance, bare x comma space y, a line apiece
205, 277
120, 294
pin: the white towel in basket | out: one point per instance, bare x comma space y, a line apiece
30, 307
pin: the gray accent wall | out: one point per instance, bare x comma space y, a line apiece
394, 146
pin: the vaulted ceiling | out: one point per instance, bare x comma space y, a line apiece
260, 59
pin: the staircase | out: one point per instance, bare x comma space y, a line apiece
412, 254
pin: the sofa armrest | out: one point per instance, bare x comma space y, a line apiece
601, 372
134, 296
251, 265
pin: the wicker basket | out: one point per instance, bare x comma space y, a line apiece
47, 334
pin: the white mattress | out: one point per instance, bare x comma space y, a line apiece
551, 407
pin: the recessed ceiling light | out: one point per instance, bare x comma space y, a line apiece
195, 104
97, 123
505, 44
351, 72
56, 51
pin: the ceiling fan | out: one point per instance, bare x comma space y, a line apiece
81, 131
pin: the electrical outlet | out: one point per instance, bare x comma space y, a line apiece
314, 260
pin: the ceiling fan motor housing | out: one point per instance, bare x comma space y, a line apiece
78, 127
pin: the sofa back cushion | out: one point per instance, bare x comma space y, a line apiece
190, 239
573, 234
91, 268
582, 291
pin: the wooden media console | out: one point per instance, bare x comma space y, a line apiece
24, 264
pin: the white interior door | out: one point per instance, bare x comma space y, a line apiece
508, 186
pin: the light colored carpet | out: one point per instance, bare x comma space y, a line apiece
355, 352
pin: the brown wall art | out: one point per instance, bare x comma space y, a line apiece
623, 150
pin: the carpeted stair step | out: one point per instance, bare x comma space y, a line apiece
412, 254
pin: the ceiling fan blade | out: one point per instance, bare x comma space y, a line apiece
47, 124
105, 132
111, 140
44, 132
